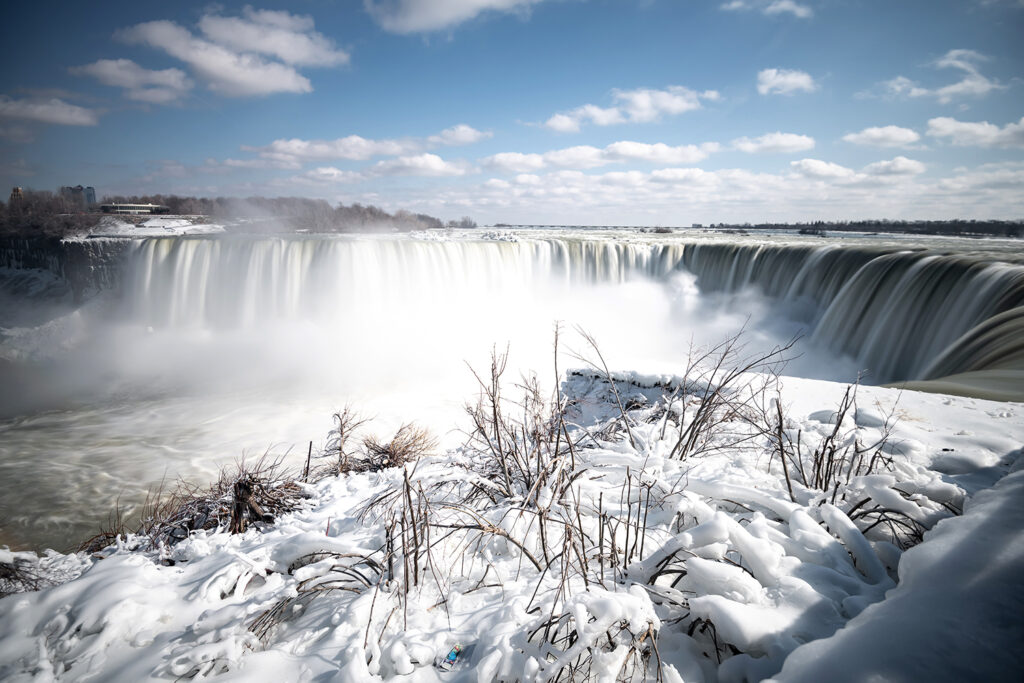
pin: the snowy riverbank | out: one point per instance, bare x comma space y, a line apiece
615, 557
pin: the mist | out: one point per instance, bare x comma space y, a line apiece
219, 350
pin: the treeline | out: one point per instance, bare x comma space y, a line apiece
956, 226
49, 213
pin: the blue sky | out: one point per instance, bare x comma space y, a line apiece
563, 111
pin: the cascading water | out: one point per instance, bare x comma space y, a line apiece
895, 312
215, 347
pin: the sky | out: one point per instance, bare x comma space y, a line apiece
589, 112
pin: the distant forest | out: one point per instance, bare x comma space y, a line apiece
956, 226
49, 213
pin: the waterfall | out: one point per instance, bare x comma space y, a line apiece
901, 313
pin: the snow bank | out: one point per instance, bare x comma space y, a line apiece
956, 614
614, 560
111, 226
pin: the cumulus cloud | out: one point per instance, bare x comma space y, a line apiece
586, 157
899, 166
770, 7
143, 85
356, 148
774, 143
288, 37
424, 165
238, 56
784, 82
816, 168
642, 105
429, 165
330, 174
420, 16
883, 136
460, 134
971, 84
680, 195
54, 111
977, 134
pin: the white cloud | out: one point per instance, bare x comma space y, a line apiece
143, 85
977, 134
784, 82
816, 168
585, 156
642, 105
356, 148
417, 16
515, 162
225, 72
460, 134
54, 111
429, 165
330, 175
774, 143
681, 195
238, 56
972, 84
770, 7
899, 166
788, 6
883, 136
659, 153
288, 37
351, 148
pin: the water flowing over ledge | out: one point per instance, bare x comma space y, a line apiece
901, 313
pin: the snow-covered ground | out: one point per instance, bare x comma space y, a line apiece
627, 555
115, 226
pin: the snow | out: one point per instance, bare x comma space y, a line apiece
111, 226
733, 580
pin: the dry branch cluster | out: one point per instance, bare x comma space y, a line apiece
526, 490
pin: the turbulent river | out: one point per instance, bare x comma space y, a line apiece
212, 349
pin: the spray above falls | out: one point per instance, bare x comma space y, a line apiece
901, 314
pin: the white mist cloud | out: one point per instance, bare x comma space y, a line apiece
642, 105
883, 136
54, 111
971, 84
419, 16
784, 82
143, 85
774, 143
977, 134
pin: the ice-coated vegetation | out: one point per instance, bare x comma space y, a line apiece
716, 526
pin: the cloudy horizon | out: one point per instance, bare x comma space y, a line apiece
531, 111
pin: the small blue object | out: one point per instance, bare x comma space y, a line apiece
449, 661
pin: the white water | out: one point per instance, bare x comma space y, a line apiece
229, 346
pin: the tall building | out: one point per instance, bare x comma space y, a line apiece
17, 194
82, 196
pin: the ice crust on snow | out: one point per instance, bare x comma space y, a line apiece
799, 589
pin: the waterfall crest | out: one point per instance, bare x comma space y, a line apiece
903, 314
